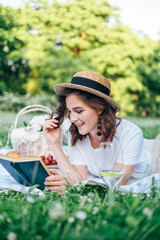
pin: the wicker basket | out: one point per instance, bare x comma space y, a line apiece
33, 148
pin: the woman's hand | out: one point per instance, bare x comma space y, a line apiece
55, 182
51, 131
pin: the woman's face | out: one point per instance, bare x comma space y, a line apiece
83, 116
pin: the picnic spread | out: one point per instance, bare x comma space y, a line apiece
30, 141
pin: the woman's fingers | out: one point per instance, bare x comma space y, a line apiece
54, 183
54, 178
50, 125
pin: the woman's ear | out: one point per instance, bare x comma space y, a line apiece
100, 111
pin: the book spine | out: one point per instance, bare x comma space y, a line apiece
20, 172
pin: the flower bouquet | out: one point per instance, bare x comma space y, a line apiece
29, 140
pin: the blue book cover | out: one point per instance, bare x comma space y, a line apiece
26, 170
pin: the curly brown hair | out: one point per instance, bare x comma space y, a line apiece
108, 116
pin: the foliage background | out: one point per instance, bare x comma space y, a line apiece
46, 42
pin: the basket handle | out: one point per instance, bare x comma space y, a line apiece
27, 109
30, 108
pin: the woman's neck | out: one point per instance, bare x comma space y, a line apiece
95, 141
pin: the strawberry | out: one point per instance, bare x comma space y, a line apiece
47, 162
43, 157
53, 162
50, 158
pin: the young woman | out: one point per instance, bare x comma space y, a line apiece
92, 113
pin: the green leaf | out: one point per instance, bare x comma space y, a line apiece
25, 124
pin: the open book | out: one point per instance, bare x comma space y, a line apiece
27, 170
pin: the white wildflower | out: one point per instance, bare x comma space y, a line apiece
78, 189
71, 219
81, 215
147, 212
12, 236
95, 210
91, 195
83, 199
6, 49
89, 200
1, 217
104, 222
56, 211
9, 220
30, 199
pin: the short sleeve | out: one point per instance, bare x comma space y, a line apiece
133, 148
75, 153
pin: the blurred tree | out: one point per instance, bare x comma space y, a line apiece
149, 73
65, 37
13, 67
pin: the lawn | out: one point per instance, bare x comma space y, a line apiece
83, 212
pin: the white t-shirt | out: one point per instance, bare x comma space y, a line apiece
129, 138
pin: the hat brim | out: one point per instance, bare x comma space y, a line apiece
59, 89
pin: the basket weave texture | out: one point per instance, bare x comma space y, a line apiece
38, 148
30, 147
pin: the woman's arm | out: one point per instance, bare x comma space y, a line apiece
127, 172
74, 173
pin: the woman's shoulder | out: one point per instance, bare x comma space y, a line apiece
126, 126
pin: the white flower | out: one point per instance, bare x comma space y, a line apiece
95, 210
104, 222
71, 219
56, 211
1, 217
40, 120
81, 215
89, 200
91, 195
147, 212
83, 199
12, 236
78, 189
20, 136
28, 128
30, 199
37, 127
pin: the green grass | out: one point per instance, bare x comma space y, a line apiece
90, 213
83, 212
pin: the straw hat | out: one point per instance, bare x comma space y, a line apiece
90, 82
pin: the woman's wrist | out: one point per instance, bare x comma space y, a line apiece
56, 145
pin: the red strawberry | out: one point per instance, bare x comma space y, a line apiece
53, 162
47, 162
43, 157
50, 158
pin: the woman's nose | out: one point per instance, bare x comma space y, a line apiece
73, 117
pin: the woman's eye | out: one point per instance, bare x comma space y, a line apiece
79, 111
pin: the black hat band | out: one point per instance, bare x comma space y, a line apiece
90, 84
